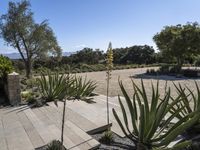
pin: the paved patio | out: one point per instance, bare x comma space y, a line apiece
23, 128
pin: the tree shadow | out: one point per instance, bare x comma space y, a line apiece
161, 77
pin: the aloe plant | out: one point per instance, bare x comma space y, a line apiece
82, 87
145, 125
190, 100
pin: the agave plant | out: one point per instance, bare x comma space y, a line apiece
82, 88
53, 86
145, 125
190, 100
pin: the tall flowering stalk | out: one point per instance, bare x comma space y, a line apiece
109, 66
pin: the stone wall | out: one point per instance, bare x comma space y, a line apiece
13, 89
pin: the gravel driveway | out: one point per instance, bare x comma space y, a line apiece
136, 74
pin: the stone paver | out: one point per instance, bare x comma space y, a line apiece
16, 136
23, 128
34, 136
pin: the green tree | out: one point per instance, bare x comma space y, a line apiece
138, 54
179, 42
31, 39
88, 56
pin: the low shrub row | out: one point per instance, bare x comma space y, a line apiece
87, 68
173, 70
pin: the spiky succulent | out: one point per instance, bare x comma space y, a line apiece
145, 125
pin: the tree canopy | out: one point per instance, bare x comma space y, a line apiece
32, 40
138, 54
180, 41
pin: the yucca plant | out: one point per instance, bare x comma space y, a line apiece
82, 87
53, 86
145, 125
191, 101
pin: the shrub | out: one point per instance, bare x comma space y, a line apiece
174, 69
146, 116
164, 69
5, 66
86, 68
30, 83
30, 97
55, 145
107, 137
82, 88
197, 61
151, 72
191, 72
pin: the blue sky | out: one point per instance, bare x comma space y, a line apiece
93, 23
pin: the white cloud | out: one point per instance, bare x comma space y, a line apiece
81, 46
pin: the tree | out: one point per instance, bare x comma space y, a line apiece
138, 54
179, 42
88, 56
31, 39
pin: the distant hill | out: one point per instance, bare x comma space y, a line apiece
68, 53
17, 55
12, 55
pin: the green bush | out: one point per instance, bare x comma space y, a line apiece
190, 72
164, 69
146, 115
55, 145
5, 66
197, 61
107, 137
151, 72
28, 97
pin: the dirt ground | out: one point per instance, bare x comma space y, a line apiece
136, 74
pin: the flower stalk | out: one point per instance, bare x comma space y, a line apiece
109, 62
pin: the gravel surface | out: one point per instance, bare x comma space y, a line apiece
136, 74
117, 144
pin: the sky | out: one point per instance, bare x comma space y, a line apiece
95, 23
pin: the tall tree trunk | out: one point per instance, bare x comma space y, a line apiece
28, 66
